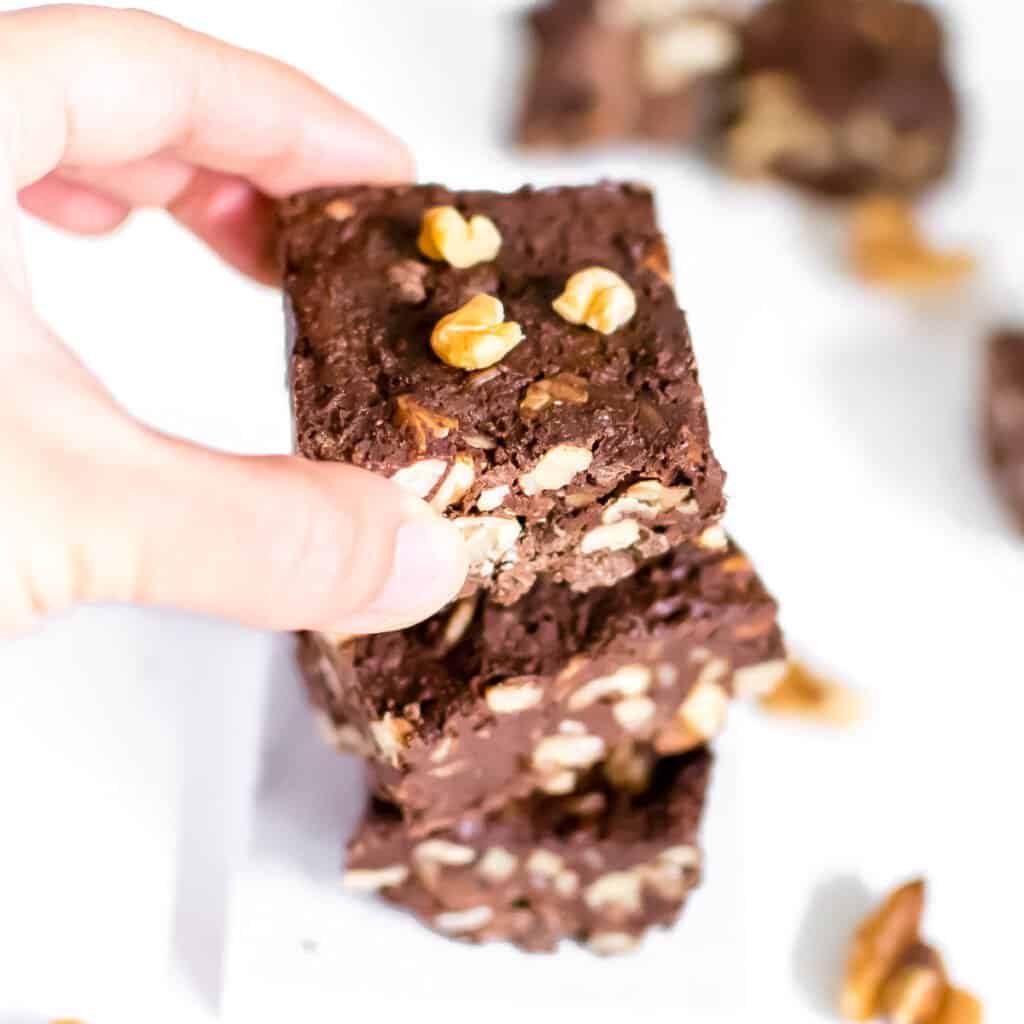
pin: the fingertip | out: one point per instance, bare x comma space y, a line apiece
72, 207
427, 569
233, 219
427, 573
335, 144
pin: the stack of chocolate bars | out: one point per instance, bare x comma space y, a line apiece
538, 749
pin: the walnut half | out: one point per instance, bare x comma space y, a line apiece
462, 242
475, 336
597, 297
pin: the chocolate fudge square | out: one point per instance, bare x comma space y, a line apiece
484, 704
613, 70
845, 97
519, 360
601, 867
1004, 416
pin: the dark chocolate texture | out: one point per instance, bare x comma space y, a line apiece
483, 704
845, 97
368, 388
612, 70
1004, 416
601, 866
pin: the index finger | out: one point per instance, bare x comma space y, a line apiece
91, 86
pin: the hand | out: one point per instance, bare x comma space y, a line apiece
102, 111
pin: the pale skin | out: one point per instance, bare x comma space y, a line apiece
102, 112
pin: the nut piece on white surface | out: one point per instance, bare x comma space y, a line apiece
597, 297
556, 468
514, 695
888, 249
489, 540
372, 879
612, 537
446, 235
914, 993
674, 55
476, 335
879, 944
959, 1007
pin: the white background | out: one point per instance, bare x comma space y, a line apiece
170, 832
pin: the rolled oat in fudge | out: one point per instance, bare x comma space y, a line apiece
519, 360
1004, 416
613, 70
601, 866
483, 703
845, 97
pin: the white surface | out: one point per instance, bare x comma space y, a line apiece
129, 742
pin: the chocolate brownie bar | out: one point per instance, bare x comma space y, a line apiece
844, 97
1004, 416
611, 70
483, 704
519, 360
601, 866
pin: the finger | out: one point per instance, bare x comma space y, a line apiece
234, 219
109, 511
153, 181
73, 72
225, 211
280, 542
73, 207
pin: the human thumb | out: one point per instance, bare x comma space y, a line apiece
279, 542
